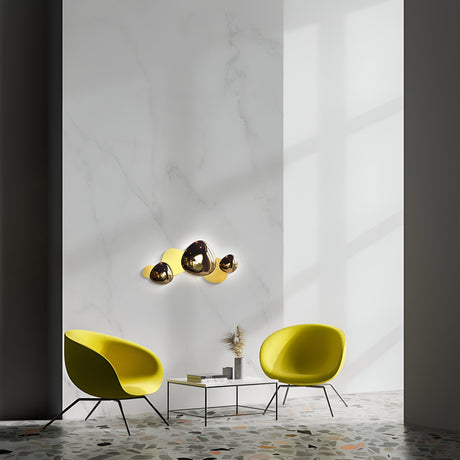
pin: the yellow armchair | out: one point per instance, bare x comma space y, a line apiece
110, 368
305, 355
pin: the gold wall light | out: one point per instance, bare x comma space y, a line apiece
228, 264
217, 276
198, 259
161, 273
173, 258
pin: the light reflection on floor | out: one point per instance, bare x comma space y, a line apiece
370, 428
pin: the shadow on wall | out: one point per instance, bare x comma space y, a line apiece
343, 175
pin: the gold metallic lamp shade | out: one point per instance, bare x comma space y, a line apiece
198, 259
161, 273
228, 264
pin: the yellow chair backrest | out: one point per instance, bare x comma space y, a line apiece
306, 354
109, 367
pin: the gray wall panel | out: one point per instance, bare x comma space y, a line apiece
30, 214
432, 146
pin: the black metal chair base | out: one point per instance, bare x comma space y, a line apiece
99, 400
323, 386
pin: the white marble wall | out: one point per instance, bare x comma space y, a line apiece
172, 133
343, 180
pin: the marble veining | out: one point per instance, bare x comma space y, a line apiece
172, 133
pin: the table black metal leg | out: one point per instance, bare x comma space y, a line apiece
206, 403
276, 401
205, 407
167, 401
237, 408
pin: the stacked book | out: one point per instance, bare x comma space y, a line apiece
205, 377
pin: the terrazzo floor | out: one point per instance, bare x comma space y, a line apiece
370, 428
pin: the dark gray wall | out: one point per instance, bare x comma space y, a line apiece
30, 209
432, 214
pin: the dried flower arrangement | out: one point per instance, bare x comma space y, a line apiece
236, 341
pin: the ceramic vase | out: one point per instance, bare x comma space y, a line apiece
238, 368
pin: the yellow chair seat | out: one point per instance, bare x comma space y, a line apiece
304, 355
139, 389
108, 367
305, 379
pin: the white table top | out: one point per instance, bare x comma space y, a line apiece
224, 383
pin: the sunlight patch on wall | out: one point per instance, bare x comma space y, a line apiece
373, 74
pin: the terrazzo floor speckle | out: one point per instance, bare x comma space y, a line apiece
370, 428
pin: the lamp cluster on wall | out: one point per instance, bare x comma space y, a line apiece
198, 259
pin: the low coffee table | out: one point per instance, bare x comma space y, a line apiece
236, 383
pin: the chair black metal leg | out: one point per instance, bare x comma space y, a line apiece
327, 399
271, 400
122, 413
330, 384
156, 410
92, 410
285, 394
98, 401
62, 413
